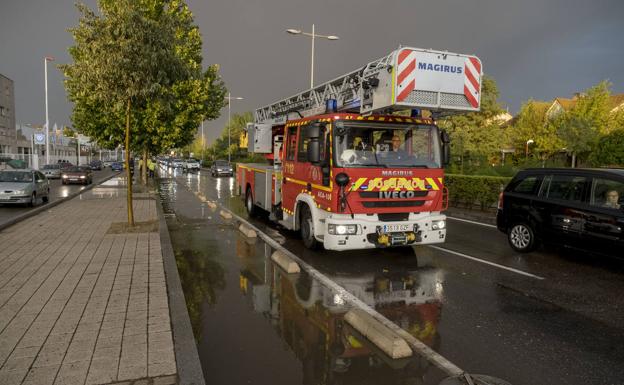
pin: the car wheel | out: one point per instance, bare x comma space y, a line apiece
306, 228
33, 200
521, 238
252, 211
46, 198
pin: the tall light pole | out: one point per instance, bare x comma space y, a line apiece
313, 35
526, 149
47, 124
229, 99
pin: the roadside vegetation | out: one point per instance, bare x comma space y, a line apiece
137, 78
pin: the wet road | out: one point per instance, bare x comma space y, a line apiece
544, 318
57, 191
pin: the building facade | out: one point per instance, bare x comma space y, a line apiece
7, 116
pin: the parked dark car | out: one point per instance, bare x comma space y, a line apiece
82, 175
577, 208
96, 165
117, 166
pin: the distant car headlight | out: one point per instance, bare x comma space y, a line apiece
19, 192
334, 229
438, 225
82, 176
65, 176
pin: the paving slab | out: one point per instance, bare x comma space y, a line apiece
82, 302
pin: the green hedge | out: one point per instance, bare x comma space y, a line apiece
471, 190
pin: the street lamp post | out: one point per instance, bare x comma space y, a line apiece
526, 148
229, 99
47, 120
313, 35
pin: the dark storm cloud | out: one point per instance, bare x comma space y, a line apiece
533, 48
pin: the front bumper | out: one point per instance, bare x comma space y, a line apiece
14, 199
373, 233
224, 172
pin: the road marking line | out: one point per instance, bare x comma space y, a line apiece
473, 222
487, 262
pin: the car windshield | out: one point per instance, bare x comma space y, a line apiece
388, 145
192, 161
221, 163
74, 169
51, 167
16, 176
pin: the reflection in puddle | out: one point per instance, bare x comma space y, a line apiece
276, 328
309, 317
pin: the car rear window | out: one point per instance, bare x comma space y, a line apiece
528, 185
564, 187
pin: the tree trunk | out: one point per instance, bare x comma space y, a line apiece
573, 159
128, 173
144, 168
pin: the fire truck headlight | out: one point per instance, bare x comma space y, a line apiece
334, 229
438, 225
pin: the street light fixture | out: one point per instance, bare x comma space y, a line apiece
313, 35
229, 98
47, 124
526, 148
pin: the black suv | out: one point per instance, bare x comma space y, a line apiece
578, 208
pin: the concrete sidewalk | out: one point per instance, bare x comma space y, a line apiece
82, 302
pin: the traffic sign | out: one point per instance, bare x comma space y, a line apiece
40, 138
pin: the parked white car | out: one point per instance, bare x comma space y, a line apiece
52, 171
177, 163
23, 186
191, 164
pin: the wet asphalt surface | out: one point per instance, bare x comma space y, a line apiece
566, 328
57, 191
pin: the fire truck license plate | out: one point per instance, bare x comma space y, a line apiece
395, 228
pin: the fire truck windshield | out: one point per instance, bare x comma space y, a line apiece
368, 144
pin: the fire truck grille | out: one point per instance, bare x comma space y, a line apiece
375, 194
392, 204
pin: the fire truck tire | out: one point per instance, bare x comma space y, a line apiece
306, 228
252, 211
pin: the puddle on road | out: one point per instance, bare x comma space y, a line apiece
274, 328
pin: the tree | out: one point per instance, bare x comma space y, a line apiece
582, 126
136, 77
477, 133
219, 149
610, 150
531, 124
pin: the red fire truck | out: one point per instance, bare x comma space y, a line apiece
348, 167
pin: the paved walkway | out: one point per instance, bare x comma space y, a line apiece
80, 304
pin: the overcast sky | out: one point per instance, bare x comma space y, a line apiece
537, 49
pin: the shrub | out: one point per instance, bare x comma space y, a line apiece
470, 190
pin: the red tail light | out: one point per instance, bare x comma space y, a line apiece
500, 201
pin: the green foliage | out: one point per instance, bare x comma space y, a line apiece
581, 127
532, 124
470, 190
219, 149
147, 53
610, 150
477, 134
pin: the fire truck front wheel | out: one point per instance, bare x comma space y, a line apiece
306, 228
249, 203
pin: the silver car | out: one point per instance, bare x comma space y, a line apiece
23, 186
221, 167
52, 171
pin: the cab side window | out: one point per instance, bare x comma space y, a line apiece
302, 153
564, 187
291, 145
607, 193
